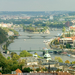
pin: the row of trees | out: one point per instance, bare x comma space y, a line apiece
30, 28
59, 59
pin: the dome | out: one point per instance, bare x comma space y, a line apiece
34, 55
47, 55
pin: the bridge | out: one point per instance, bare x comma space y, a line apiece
36, 50
30, 36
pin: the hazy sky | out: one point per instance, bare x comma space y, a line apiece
37, 5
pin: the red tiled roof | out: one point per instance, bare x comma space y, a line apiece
73, 38
18, 71
63, 73
8, 74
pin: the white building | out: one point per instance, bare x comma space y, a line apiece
47, 56
10, 33
64, 41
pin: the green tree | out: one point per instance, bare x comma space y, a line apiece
56, 42
11, 38
21, 63
67, 61
15, 57
73, 62
61, 46
3, 36
68, 45
64, 29
14, 67
2, 62
12, 54
38, 69
24, 53
8, 58
59, 59
27, 70
44, 69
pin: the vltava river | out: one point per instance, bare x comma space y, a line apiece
35, 43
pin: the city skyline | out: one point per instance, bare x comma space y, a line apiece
37, 5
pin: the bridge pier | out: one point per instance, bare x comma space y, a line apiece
30, 37
43, 37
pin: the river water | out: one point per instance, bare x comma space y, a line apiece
35, 43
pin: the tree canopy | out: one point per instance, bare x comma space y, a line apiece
24, 53
58, 59
67, 61
64, 29
3, 36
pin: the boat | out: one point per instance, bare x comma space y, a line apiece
68, 55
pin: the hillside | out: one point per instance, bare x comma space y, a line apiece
2, 36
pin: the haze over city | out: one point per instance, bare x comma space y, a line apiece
37, 37
37, 5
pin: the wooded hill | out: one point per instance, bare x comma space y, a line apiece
3, 35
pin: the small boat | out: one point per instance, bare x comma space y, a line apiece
68, 55
45, 41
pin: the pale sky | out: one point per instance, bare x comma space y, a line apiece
37, 5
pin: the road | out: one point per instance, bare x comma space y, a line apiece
3, 51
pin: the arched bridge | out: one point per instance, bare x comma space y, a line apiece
36, 50
30, 36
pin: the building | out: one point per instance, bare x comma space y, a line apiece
68, 23
18, 71
72, 70
47, 56
10, 33
47, 73
30, 60
47, 32
34, 55
72, 28
70, 40
66, 40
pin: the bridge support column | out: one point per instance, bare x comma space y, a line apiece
29, 37
44, 37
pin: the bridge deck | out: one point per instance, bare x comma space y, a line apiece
34, 50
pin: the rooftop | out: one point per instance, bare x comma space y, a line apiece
66, 39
